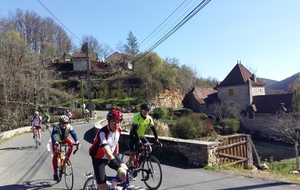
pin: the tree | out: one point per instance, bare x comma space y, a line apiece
296, 96
287, 128
104, 51
132, 48
42, 35
186, 78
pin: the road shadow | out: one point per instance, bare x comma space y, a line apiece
89, 135
259, 186
32, 185
18, 148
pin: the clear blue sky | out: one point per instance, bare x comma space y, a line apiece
263, 34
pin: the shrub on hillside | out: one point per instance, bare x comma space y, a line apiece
159, 113
228, 126
192, 126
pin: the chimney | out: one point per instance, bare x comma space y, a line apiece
254, 77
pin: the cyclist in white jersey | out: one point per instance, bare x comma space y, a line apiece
36, 124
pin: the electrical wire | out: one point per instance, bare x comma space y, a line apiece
59, 20
161, 23
169, 21
174, 29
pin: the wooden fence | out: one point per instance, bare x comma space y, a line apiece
236, 150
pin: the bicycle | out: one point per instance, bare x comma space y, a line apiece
65, 167
112, 182
36, 138
87, 117
146, 163
46, 126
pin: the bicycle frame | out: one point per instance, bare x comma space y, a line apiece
65, 167
36, 138
147, 164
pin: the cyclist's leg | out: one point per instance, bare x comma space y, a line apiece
39, 134
132, 147
145, 140
54, 158
99, 172
69, 141
33, 131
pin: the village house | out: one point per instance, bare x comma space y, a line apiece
120, 60
243, 95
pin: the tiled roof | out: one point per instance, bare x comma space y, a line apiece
272, 103
239, 75
204, 95
116, 57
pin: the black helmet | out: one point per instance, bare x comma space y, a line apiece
114, 114
145, 107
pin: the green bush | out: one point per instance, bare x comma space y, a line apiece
232, 125
159, 113
228, 126
191, 127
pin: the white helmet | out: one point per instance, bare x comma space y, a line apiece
64, 119
36, 113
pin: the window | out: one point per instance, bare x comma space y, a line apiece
230, 92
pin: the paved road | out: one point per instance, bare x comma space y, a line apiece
23, 167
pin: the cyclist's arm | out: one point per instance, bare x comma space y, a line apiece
117, 149
133, 131
53, 135
108, 152
74, 135
154, 132
32, 122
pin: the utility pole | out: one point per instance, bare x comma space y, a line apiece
82, 102
85, 49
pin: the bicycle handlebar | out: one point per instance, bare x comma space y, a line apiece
69, 145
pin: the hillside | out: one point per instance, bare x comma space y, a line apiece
273, 86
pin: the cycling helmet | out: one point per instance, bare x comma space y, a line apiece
36, 113
64, 119
114, 114
145, 107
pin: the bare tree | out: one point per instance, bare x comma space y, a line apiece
287, 129
105, 51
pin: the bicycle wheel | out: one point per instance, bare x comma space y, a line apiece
90, 184
125, 156
36, 139
155, 176
69, 176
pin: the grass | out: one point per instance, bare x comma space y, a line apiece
279, 170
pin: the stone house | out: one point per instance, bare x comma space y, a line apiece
120, 60
242, 94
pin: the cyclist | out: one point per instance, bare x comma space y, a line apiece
46, 119
69, 114
60, 135
141, 122
105, 149
87, 114
36, 123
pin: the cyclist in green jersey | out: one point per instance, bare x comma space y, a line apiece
141, 122
46, 119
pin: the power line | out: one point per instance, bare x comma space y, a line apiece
162, 23
169, 21
59, 20
174, 29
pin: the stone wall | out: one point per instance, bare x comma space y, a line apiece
240, 95
197, 153
260, 123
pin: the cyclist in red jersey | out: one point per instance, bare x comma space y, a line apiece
105, 149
